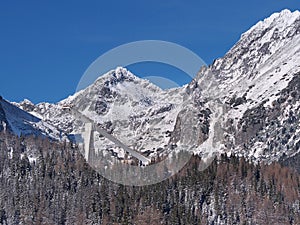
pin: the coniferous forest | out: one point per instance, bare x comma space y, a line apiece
57, 186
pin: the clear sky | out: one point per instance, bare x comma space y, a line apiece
46, 46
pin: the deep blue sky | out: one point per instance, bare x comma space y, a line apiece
47, 45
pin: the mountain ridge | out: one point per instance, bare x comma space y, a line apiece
233, 103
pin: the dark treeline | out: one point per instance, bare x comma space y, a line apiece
59, 187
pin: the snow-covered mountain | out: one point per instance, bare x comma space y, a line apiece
132, 109
247, 102
20, 122
256, 85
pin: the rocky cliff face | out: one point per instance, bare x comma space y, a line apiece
256, 86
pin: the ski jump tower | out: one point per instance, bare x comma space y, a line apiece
88, 136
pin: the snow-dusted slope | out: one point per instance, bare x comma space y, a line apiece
132, 109
257, 84
20, 122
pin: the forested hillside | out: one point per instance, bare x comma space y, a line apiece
43, 182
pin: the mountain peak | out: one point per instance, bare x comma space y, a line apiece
122, 73
280, 20
285, 16
115, 76
121, 70
286, 13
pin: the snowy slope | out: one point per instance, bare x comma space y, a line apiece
21, 122
132, 109
257, 84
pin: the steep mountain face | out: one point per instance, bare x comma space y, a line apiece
256, 86
245, 103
